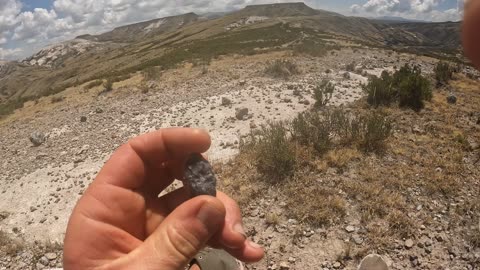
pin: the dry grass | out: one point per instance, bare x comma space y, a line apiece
420, 165
239, 179
340, 158
313, 203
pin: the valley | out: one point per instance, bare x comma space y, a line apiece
416, 202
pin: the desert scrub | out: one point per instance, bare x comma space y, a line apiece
380, 91
414, 91
313, 130
10, 106
282, 69
152, 73
406, 86
274, 155
93, 84
108, 85
443, 73
314, 47
324, 130
376, 129
323, 93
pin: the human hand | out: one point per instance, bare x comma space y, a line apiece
120, 223
471, 24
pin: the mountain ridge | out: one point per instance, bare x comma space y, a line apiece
166, 42
144, 29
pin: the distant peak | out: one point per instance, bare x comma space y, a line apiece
280, 10
292, 4
190, 14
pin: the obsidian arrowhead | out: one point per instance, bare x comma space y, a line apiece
199, 176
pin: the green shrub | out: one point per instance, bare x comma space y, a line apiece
376, 129
323, 93
413, 91
345, 127
312, 129
443, 73
282, 69
380, 91
407, 86
329, 128
274, 154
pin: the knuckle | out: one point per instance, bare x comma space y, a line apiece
182, 242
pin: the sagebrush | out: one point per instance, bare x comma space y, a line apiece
323, 93
282, 69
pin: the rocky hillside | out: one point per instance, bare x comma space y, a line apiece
142, 30
446, 35
172, 41
414, 204
6, 68
56, 55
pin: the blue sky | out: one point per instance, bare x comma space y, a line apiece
29, 25
31, 4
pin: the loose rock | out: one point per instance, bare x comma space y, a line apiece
241, 113
199, 176
373, 262
350, 229
409, 243
226, 101
451, 99
37, 138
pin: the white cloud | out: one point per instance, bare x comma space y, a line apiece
9, 9
355, 9
38, 23
384, 6
415, 9
424, 6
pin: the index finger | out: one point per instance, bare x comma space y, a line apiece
131, 164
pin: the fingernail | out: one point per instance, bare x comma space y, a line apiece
211, 217
254, 245
239, 229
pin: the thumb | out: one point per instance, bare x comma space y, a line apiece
182, 235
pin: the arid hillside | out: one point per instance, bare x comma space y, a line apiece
338, 136
167, 42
